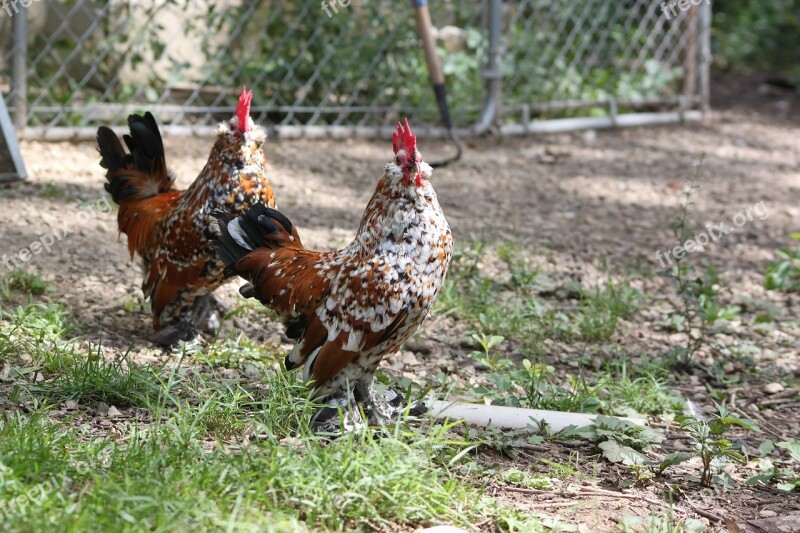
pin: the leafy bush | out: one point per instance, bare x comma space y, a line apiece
759, 35
784, 274
297, 58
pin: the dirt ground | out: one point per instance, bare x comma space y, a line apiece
584, 205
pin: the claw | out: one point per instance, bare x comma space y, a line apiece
174, 333
380, 407
390, 404
337, 419
206, 314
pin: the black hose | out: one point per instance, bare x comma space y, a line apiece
425, 30
444, 113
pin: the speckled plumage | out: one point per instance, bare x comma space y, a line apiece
166, 227
349, 308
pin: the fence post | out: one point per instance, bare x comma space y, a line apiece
19, 67
492, 75
705, 58
692, 26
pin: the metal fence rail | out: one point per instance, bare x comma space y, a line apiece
350, 67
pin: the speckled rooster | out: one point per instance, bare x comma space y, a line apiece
166, 227
348, 308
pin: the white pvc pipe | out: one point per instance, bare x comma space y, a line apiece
283, 132
628, 120
314, 132
512, 417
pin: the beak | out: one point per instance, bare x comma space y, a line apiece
414, 167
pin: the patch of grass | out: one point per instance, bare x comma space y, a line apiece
599, 310
51, 190
248, 305
523, 274
620, 388
212, 453
164, 476
784, 274
513, 309
87, 377
222, 414
519, 478
538, 386
23, 281
31, 331
234, 352
134, 304
57, 369
641, 388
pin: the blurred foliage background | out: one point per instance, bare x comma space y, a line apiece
758, 35
88, 58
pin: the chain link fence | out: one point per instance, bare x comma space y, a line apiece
334, 66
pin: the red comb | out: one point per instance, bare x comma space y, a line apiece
243, 108
404, 139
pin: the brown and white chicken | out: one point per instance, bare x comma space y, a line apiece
166, 227
348, 308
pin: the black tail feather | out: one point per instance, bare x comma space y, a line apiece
113, 156
145, 155
235, 237
145, 144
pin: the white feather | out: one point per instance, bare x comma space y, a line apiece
238, 235
309, 362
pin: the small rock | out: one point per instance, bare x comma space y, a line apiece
251, 371
230, 373
442, 529
468, 342
767, 513
113, 412
422, 347
408, 358
292, 442
71, 404
102, 408
678, 445
773, 388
